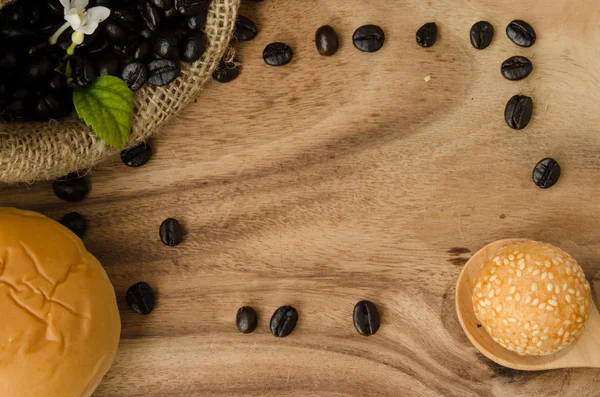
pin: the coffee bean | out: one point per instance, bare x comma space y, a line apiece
546, 173
191, 7
516, 68
143, 51
163, 4
193, 47
246, 319
135, 75
366, 318
278, 54
368, 38
71, 188
137, 155
171, 232
518, 112
427, 35
284, 321
59, 105
150, 14
196, 22
113, 31
83, 74
38, 110
482, 34
226, 71
75, 222
245, 28
163, 71
165, 43
37, 69
140, 298
327, 41
521, 33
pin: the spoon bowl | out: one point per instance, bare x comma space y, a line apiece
584, 352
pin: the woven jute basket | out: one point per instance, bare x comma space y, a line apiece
31, 152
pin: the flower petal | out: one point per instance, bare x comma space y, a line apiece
88, 28
80, 5
66, 5
73, 20
97, 14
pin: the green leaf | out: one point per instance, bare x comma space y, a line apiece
107, 107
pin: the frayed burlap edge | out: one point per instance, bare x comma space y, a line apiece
31, 152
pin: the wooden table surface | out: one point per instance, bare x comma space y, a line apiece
332, 180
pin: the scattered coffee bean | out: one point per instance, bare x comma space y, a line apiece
150, 14
482, 34
137, 155
518, 112
516, 68
278, 54
165, 43
227, 71
84, 73
135, 75
427, 34
140, 298
163, 71
171, 232
246, 319
284, 321
546, 173
521, 33
108, 65
245, 29
326, 40
74, 222
368, 38
366, 318
71, 188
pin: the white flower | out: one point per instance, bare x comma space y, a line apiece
81, 20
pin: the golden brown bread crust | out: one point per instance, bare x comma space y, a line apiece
532, 298
60, 324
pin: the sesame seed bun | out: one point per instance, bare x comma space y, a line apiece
60, 324
532, 298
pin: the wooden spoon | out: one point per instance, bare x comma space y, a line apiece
584, 352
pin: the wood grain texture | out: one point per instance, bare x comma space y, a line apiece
337, 179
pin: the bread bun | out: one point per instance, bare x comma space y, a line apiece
60, 326
532, 298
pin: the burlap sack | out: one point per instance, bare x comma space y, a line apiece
32, 152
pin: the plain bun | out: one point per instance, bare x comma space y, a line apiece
60, 324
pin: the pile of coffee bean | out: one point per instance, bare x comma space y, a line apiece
143, 41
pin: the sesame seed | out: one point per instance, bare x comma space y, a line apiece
535, 301
551, 275
567, 322
582, 309
536, 326
493, 270
528, 299
544, 337
495, 276
542, 306
566, 335
549, 287
557, 289
559, 259
497, 259
508, 298
488, 287
544, 275
564, 287
495, 339
519, 274
554, 261
538, 263
586, 286
482, 303
571, 291
534, 287
522, 264
539, 344
549, 308
547, 263
517, 297
577, 293
518, 343
499, 308
479, 295
528, 257
527, 325
529, 269
521, 255
491, 294
505, 261
561, 331
536, 272
568, 270
553, 302
524, 335
546, 330
511, 271
512, 320
579, 320
478, 285
498, 290
511, 257
512, 289
505, 321
535, 338
510, 281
